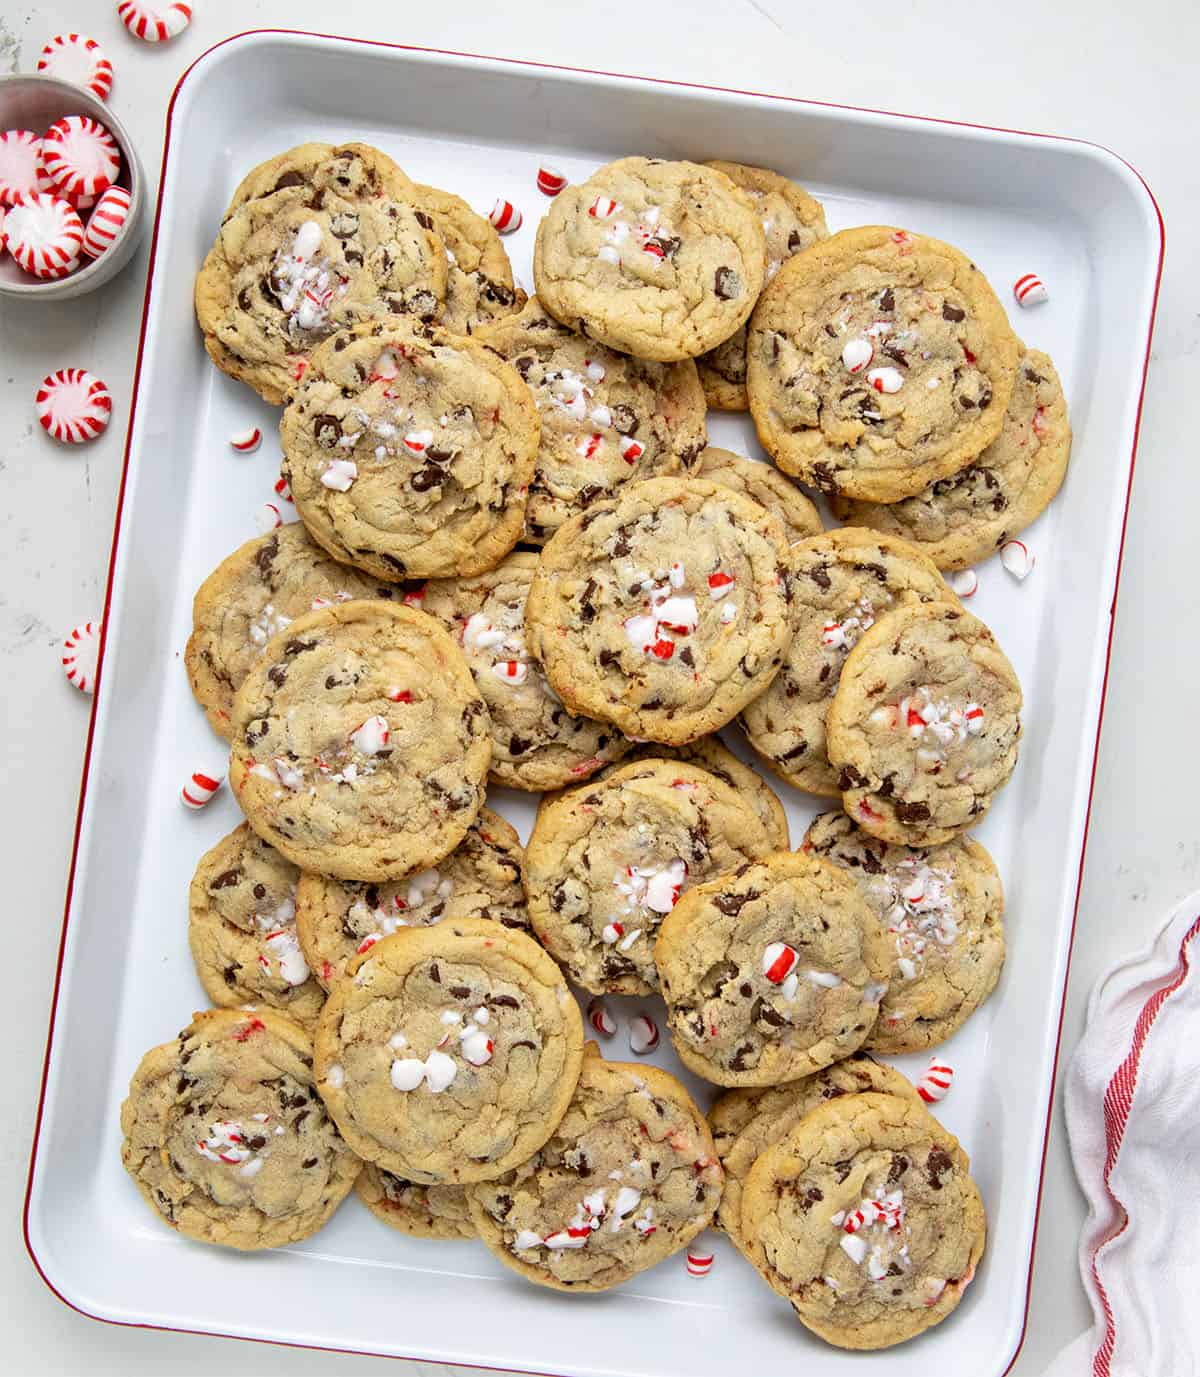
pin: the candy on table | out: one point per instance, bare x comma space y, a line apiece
246, 441
601, 1019
80, 60
935, 1081
1030, 290
267, 518
21, 170
105, 222
73, 405
81, 159
699, 1264
643, 1035
81, 652
505, 217
965, 583
1017, 558
283, 489
44, 234
199, 789
154, 23
550, 181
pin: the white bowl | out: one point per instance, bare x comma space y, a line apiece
34, 103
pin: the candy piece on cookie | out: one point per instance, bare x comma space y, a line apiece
106, 221
80, 60
73, 405
81, 159
154, 23
81, 653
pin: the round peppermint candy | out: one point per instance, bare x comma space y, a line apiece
154, 23
81, 653
21, 170
73, 405
80, 60
44, 235
81, 159
104, 223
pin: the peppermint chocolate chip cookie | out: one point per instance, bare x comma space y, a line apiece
227, 1139
962, 519
315, 240
659, 259
607, 419
771, 972
479, 286
925, 725
606, 862
665, 611
842, 581
449, 1054
865, 1218
537, 743
337, 920
768, 1114
242, 929
628, 1177
792, 220
409, 451
878, 362
423, 1211
765, 485
249, 597
941, 911
360, 744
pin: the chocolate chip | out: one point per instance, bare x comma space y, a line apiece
954, 313
428, 477
937, 1164
277, 674
686, 657
727, 284
912, 812
328, 431
425, 221
624, 419
887, 300
589, 493
897, 1169
762, 1012
288, 179
850, 778
1033, 377
714, 980
607, 657
504, 1002
730, 903
794, 242
842, 1168
225, 879
435, 974
518, 745
587, 610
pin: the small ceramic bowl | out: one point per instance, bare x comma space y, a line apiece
35, 102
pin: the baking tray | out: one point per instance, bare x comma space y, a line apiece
1073, 213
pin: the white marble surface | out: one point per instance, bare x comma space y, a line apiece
1120, 74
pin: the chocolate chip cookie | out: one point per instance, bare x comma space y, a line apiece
479, 285
607, 419
606, 862
360, 744
866, 1219
768, 1114
659, 259
925, 725
879, 361
481, 878
628, 1177
962, 519
537, 743
315, 240
665, 611
792, 220
765, 485
251, 596
942, 911
242, 929
449, 1053
842, 581
771, 972
423, 1211
226, 1137
409, 451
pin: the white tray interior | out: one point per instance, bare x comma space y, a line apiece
1074, 214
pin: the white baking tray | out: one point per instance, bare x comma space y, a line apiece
1073, 213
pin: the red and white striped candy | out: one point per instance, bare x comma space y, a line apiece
283, 489
81, 158
81, 651
935, 1081
73, 405
21, 170
3, 231
80, 60
44, 235
267, 518
246, 441
600, 1018
154, 23
505, 217
965, 583
643, 1035
550, 180
1030, 290
602, 207
104, 223
1017, 558
699, 1264
777, 961
631, 449
199, 789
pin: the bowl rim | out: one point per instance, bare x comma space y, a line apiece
91, 274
